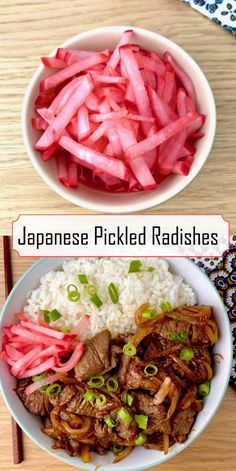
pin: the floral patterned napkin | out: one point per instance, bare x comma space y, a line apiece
222, 273
220, 11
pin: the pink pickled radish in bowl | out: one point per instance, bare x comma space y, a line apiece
136, 126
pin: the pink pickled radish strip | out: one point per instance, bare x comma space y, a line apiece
161, 136
114, 140
182, 76
53, 62
26, 360
92, 102
98, 160
169, 86
39, 123
39, 384
72, 56
196, 136
98, 118
28, 337
62, 97
44, 366
21, 316
72, 174
44, 330
83, 122
181, 102
196, 125
190, 105
108, 150
160, 86
161, 110
149, 78
62, 173
47, 154
171, 152
139, 90
7, 359
56, 128
81, 324
59, 77
183, 167
138, 117
75, 357
147, 63
13, 353
108, 79
115, 57
98, 133
45, 99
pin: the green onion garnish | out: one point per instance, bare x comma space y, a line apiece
54, 315
89, 396
204, 388
165, 305
186, 354
39, 377
150, 370
128, 399
96, 300
181, 337
113, 293
96, 381
101, 400
149, 314
109, 421
83, 279
129, 349
91, 289
141, 420
53, 390
112, 384
73, 293
66, 330
46, 317
135, 266
151, 269
141, 439
117, 449
124, 415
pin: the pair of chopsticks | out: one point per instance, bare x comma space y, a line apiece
17, 443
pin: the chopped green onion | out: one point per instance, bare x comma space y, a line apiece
149, 314
165, 305
182, 336
66, 330
96, 300
101, 400
128, 399
186, 354
89, 396
141, 439
124, 415
91, 289
39, 377
73, 293
83, 279
117, 449
109, 421
129, 349
112, 384
96, 381
150, 370
53, 390
141, 420
54, 315
151, 269
135, 266
204, 388
113, 293
46, 317
71, 288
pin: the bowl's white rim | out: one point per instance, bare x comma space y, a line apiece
156, 199
140, 467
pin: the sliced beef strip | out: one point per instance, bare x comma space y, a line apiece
182, 423
37, 402
157, 421
71, 445
131, 375
65, 396
126, 432
78, 405
106, 437
96, 357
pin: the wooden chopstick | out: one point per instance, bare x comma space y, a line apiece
17, 441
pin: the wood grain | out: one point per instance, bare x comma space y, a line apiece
29, 30
213, 450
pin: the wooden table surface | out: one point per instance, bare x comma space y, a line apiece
214, 450
30, 29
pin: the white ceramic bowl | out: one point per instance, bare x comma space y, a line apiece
140, 458
107, 37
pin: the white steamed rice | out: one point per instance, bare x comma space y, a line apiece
134, 289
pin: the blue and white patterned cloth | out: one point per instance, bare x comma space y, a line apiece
220, 11
222, 273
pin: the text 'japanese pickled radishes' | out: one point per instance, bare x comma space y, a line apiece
117, 121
